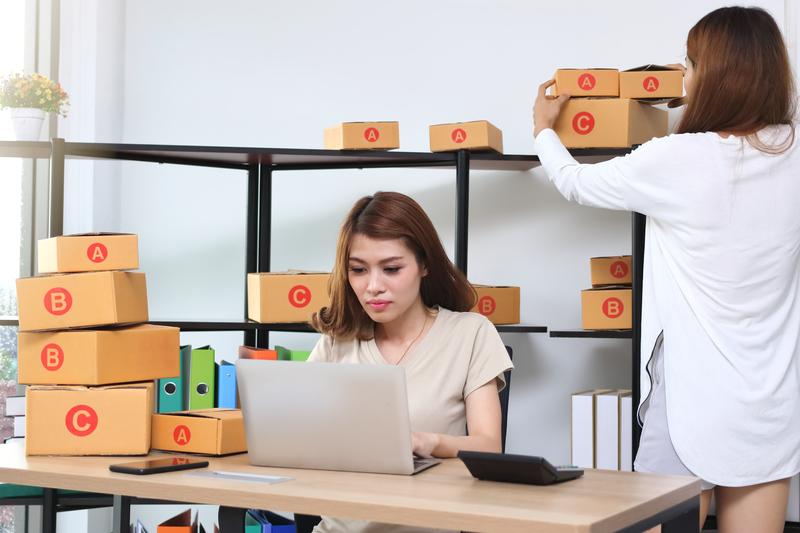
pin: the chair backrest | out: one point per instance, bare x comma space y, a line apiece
504, 394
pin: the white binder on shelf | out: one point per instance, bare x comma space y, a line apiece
583, 428
610, 429
626, 432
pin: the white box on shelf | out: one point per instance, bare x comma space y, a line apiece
607, 431
15, 405
19, 426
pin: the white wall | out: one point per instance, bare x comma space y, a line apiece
248, 73
92, 36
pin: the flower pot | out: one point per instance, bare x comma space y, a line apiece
27, 122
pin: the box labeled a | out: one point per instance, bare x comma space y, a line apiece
98, 357
586, 82
476, 135
73, 420
363, 136
609, 123
651, 82
65, 301
607, 308
613, 270
88, 252
291, 296
206, 431
499, 304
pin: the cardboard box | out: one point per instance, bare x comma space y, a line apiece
497, 303
206, 431
76, 300
74, 420
586, 82
251, 352
607, 308
609, 123
88, 252
99, 357
363, 136
614, 270
651, 82
476, 135
181, 523
292, 296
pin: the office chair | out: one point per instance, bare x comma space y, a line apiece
306, 523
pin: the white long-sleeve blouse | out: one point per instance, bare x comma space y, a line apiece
722, 281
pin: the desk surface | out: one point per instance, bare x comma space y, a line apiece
444, 496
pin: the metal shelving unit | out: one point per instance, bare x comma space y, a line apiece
261, 163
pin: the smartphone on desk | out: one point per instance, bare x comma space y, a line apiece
156, 466
510, 468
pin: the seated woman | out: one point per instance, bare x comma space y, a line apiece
396, 299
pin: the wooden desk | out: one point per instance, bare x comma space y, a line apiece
445, 496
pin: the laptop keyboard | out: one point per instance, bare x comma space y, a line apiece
421, 463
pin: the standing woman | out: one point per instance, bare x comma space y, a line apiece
396, 299
721, 297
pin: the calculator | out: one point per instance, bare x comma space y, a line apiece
511, 468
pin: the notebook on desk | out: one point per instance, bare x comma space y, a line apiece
327, 416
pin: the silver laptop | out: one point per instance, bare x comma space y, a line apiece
328, 416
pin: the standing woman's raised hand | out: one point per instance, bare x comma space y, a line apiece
547, 108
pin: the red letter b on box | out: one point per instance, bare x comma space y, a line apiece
52, 357
612, 307
487, 305
57, 301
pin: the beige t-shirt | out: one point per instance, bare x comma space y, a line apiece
460, 353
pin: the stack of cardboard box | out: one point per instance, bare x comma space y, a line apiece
611, 109
89, 362
607, 305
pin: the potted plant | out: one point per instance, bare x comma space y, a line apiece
29, 97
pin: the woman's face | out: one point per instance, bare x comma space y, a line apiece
385, 276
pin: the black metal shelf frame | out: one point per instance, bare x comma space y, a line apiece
261, 164
638, 224
592, 334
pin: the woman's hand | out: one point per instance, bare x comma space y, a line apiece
423, 444
547, 108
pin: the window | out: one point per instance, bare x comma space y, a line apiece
12, 171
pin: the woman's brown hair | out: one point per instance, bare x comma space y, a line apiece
385, 216
742, 79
